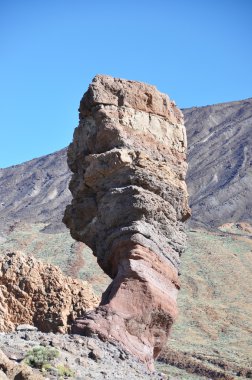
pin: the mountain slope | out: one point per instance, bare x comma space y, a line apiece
35, 191
220, 162
219, 176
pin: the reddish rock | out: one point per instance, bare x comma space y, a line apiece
129, 204
39, 294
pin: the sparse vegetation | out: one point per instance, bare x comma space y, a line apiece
47, 367
214, 301
215, 304
64, 371
43, 358
40, 357
57, 249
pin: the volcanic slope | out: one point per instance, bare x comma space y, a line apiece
220, 163
35, 191
219, 177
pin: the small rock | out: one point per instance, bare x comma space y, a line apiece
16, 358
44, 343
96, 354
26, 328
78, 341
92, 345
56, 343
27, 337
162, 375
78, 361
82, 361
123, 356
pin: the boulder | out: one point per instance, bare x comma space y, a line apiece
36, 295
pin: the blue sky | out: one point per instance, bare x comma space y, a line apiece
197, 51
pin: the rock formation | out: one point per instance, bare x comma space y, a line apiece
219, 184
129, 202
39, 294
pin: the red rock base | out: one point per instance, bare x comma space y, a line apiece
139, 307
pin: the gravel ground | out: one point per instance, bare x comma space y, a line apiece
86, 358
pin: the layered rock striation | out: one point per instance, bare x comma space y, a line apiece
128, 159
39, 294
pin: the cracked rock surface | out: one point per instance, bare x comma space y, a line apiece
39, 294
128, 159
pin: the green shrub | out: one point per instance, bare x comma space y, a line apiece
47, 367
64, 371
40, 357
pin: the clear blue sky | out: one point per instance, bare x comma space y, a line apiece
199, 52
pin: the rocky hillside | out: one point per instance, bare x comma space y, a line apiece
35, 191
219, 176
220, 162
31, 355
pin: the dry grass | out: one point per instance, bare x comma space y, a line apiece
215, 323
75, 259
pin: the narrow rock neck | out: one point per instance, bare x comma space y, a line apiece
139, 305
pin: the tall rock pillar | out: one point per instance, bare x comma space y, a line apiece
128, 159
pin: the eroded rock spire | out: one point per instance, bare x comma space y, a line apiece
128, 159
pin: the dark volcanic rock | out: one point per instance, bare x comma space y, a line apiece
129, 202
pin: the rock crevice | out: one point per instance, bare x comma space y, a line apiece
129, 204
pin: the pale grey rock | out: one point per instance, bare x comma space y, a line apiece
26, 327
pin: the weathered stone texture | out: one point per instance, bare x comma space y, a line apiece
129, 202
39, 294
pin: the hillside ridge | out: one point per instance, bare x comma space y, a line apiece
219, 183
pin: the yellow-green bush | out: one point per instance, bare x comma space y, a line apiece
40, 357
